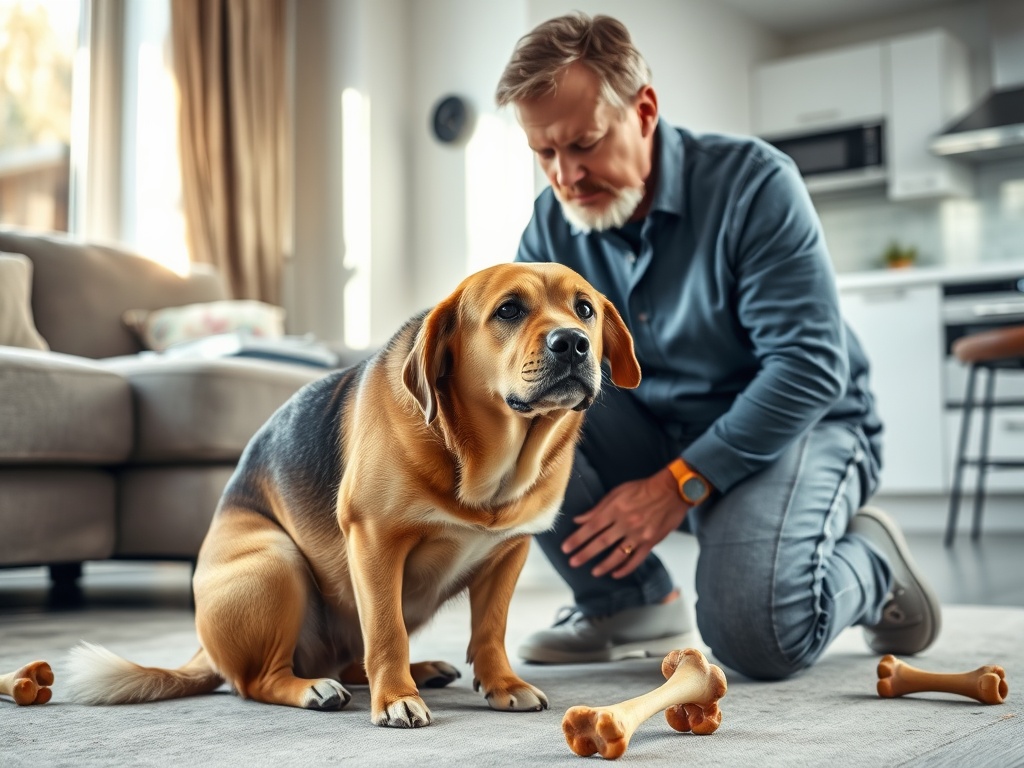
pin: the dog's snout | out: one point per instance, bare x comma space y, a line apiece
569, 344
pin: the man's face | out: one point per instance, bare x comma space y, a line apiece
597, 158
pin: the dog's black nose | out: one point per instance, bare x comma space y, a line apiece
569, 344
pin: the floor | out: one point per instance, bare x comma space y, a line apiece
987, 572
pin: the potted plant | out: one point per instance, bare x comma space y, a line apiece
898, 256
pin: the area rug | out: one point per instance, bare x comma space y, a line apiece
827, 716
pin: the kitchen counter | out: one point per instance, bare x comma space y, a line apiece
910, 276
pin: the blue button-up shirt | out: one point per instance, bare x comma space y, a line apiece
731, 299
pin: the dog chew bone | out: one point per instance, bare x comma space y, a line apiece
986, 684
690, 695
28, 685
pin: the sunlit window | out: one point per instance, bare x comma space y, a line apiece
38, 39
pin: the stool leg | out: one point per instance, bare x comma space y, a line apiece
961, 457
986, 425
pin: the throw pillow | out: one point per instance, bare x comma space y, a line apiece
160, 328
17, 326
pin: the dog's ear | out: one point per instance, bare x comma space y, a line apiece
618, 349
429, 359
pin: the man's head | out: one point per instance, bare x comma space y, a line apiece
582, 93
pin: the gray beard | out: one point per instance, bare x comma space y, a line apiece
615, 214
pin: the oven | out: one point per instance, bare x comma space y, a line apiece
980, 305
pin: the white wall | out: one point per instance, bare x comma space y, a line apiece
348, 276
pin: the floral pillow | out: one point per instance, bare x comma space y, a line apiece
160, 328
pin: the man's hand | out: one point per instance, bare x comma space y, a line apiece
635, 516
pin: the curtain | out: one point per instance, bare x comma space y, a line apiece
229, 61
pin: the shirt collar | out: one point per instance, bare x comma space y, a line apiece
668, 151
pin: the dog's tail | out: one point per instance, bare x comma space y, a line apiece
97, 676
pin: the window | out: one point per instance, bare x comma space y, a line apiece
38, 40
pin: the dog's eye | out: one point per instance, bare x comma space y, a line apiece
584, 309
508, 311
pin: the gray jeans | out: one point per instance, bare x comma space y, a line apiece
777, 577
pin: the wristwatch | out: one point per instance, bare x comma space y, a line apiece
692, 487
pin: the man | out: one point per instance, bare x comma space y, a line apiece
753, 428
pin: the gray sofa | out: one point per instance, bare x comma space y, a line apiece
107, 451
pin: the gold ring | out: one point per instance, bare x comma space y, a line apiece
627, 549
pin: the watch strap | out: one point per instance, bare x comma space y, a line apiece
683, 472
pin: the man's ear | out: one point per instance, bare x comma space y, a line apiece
647, 110
618, 349
429, 359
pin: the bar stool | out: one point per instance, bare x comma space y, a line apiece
989, 351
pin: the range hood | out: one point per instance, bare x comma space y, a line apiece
994, 129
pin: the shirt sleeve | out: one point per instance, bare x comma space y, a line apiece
786, 302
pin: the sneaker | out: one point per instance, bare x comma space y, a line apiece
912, 616
650, 630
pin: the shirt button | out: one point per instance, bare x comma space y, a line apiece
643, 317
631, 258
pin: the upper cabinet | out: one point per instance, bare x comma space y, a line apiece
928, 86
819, 91
910, 86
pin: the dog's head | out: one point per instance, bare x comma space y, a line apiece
528, 337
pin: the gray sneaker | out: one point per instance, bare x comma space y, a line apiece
651, 630
912, 616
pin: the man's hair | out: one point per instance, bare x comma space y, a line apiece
601, 43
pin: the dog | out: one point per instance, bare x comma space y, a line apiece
378, 492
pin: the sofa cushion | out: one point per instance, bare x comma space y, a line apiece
81, 290
17, 327
60, 409
203, 410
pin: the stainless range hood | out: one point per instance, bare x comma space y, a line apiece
994, 129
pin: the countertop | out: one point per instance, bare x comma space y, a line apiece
910, 276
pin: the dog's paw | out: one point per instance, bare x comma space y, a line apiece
513, 695
434, 674
406, 712
326, 694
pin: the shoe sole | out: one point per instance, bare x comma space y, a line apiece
640, 650
933, 617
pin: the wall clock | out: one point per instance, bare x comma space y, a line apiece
452, 120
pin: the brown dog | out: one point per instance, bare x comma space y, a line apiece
378, 492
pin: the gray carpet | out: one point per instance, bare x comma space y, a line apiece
828, 716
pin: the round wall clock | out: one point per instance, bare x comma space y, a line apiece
452, 120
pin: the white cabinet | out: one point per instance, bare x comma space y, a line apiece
830, 89
900, 329
929, 86
912, 84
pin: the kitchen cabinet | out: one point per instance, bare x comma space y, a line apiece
928, 87
913, 85
900, 329
829, 89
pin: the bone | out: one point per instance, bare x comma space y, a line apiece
28, 685
690, 697
986, 684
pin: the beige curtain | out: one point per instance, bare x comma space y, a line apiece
229, 59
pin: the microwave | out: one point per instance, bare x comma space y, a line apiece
838, 158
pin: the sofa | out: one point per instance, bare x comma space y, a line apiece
109, 450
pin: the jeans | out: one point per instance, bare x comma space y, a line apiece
777, 577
